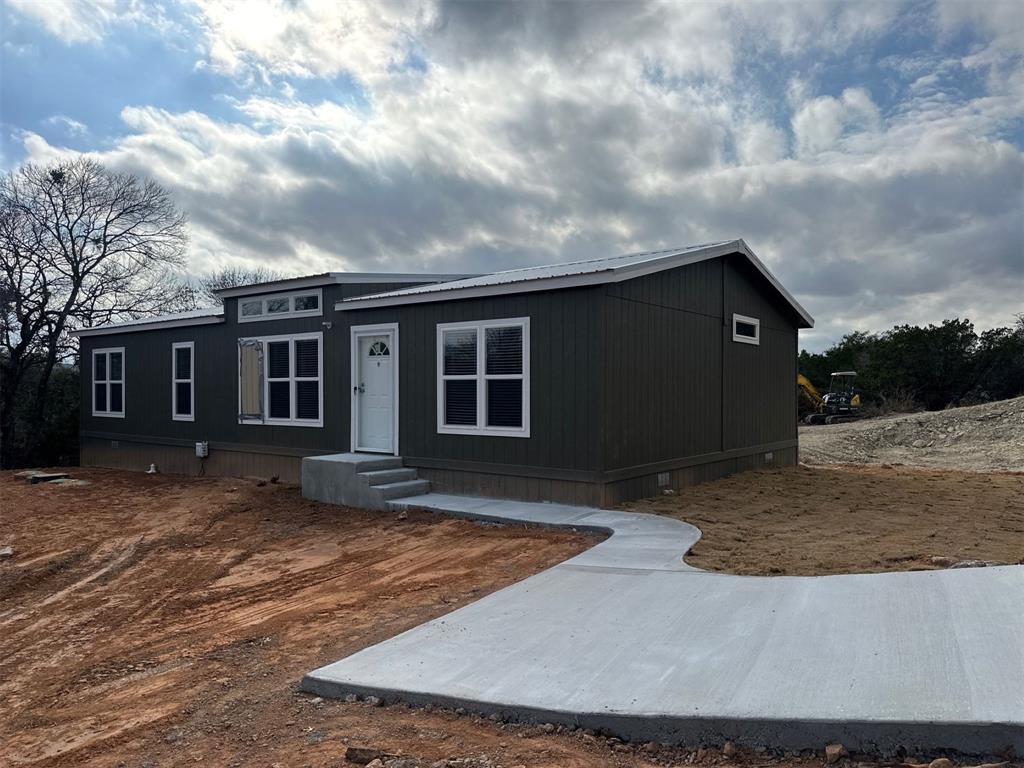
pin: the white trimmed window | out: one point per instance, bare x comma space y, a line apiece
483, 378
279, 305
108, 382
746, 330
280, 380
183, 398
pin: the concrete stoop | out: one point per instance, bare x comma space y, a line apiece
362, 480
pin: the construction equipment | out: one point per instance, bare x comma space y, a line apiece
841, 402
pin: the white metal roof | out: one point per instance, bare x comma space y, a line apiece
204, 316
330, 278
570, 274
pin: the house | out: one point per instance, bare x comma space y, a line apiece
590, 382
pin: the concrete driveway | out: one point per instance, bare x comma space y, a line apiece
627, 637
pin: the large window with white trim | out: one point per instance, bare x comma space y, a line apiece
280, 380
483, 378
183, 406
108, 382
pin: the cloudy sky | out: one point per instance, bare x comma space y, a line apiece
871, 154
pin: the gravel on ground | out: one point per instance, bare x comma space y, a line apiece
987, 437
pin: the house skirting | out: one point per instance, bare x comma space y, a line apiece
225, 459
603, 489
580, 487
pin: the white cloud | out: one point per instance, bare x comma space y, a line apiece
71, 126
820, 123
315, 38
89, 21
760, 142
535, 132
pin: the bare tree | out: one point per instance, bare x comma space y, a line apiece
79, 246
208, 284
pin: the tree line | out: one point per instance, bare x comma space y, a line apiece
911, 367
80, 246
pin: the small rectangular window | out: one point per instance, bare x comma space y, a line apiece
746, 330
183, 381
108, 382
307, 303
483, 378
280, 305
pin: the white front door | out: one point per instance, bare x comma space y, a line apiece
373, 392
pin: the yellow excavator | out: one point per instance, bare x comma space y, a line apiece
841, 402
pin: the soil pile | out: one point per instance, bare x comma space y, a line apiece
987, 438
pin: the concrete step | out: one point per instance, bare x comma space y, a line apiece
405, 488
366, 462
385, 476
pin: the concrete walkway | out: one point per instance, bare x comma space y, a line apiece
626, 636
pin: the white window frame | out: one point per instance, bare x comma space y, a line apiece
292, 312
191, 380
756, 340
482, 377
108, 381
292, 421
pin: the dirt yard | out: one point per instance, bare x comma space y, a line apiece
809, 521
988, 438
150, 621
160, 621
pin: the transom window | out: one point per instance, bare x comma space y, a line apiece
280, 380
483, 378
108, 382
746, 330
298, 304
183, 381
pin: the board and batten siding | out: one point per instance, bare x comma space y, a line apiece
564, 350
147, 418
679, 393
628, 381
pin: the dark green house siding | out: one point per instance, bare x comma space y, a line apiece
629, 381
564, 364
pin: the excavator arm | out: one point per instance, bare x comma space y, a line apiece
809, 391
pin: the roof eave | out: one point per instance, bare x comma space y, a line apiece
184, 322
334, 278
612, 275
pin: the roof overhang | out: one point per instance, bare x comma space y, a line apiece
156, 324
334, 278
610, 275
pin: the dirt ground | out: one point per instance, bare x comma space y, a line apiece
986, 438
154, 621
151, 621
809, 521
